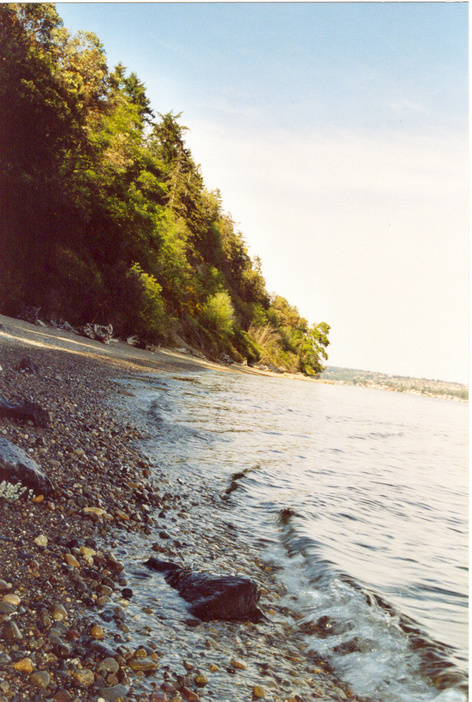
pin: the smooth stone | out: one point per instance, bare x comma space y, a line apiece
113, 693
97, 632
12, 599
26, 665
41, 541
40, 678
108, 665
258, 692
71, 560
59, 612
85, 677
146, 665
201, 680
239, 665
11, 632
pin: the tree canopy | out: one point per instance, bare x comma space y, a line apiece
104, 215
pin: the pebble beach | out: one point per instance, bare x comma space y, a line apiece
70, 629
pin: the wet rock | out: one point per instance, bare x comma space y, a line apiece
201, 680
258, 692
103, 649
113, 693
97, 632
146, 665
108, 665
17, 467
239, 665
228, 597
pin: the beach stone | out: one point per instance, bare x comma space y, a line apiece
201, 680
258, 692
59, 612
4, 586
188, 694
97, 631
13, 600
41, 541
85, 677
157, 696
40, 678
71, 560
113, 693
26, 665
146, 665
239, 665
108, 665
6, 608
17, 467
62, 695
11, 632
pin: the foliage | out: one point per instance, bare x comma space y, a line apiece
104, 215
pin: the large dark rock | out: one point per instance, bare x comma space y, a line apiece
25, 411
26, 365
228, 597
17, 467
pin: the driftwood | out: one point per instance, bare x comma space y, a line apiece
17, 467
228, 597
25, 411
98, 332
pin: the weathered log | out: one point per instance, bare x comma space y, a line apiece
227, 597
25, 411
17, 467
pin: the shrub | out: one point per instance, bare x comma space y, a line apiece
218, 313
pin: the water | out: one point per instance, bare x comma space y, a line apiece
358, 496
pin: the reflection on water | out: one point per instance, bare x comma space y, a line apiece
377, 483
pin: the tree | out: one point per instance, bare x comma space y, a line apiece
313, 348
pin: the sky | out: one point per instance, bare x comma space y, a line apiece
336, 133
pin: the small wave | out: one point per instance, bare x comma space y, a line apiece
376, 648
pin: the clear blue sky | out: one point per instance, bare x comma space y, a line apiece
337, 134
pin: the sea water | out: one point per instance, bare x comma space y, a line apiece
357, 496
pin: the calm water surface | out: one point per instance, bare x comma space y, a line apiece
374, 533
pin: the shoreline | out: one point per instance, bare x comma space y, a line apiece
59, 572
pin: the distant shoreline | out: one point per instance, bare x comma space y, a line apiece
395, 383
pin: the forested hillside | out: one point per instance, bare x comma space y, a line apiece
104, 215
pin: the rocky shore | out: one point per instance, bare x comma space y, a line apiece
71, 625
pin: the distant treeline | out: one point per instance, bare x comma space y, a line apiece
104, 216
398, 383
